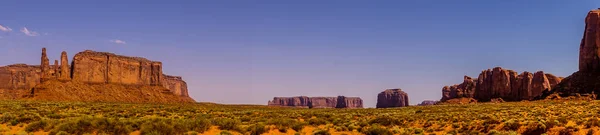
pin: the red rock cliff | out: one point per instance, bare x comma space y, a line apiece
92, 67
177, 85
502, 83
586, 80
102, 67
392, 98
589, 55
317, 102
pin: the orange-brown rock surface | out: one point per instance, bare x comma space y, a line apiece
176, 85
349, 102
392, 98
589, 57
317, 102
501, 83
65, 69
587, 79
19, 76
99, 68
102, 67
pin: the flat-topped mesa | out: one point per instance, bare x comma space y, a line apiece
589, 56
502, 83
317, 102
349, 102
392, 98
102, 67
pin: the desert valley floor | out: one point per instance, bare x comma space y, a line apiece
552, 117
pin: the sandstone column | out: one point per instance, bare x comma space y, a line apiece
45, 66
65, 73
589, 56
55, 68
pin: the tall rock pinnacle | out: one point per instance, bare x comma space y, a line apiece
65, 73
55, 68
45, 66
589, 49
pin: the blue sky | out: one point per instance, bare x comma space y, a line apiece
246, 52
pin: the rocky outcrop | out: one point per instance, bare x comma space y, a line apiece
317, 102
427, 102
176, 85
322, 102
301, 101
587, 79
465, 89
392, 98
349, 102
503, 84
19, 76
102, 67
91, 67
589, 57
45, 66
65, 70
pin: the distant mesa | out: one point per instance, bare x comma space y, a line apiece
427, 102
317, 102
502, 85
587, 79
392, 98
92, 76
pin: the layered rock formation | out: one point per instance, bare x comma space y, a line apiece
349, 102
19, 76
102, 67
501, 83
392, 98
317, 102
427, 102
589, 57
176, 85
91, 67
587, 79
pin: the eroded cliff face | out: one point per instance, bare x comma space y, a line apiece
92, 67
589, 56
19, 76
176, 85
502, 83
392, 98
102, 67
317, 102
587, 79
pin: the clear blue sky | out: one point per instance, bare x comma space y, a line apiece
239, 51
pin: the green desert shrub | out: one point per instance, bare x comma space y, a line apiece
384, 121
376, 130
321, 132
316, 121
257, 129
36, 126
298, 126
198, 125
157, 126
226, 124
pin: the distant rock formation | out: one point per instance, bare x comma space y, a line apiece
501, 83
427, 102
392, 98
587, 79
317, 102
91, 68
